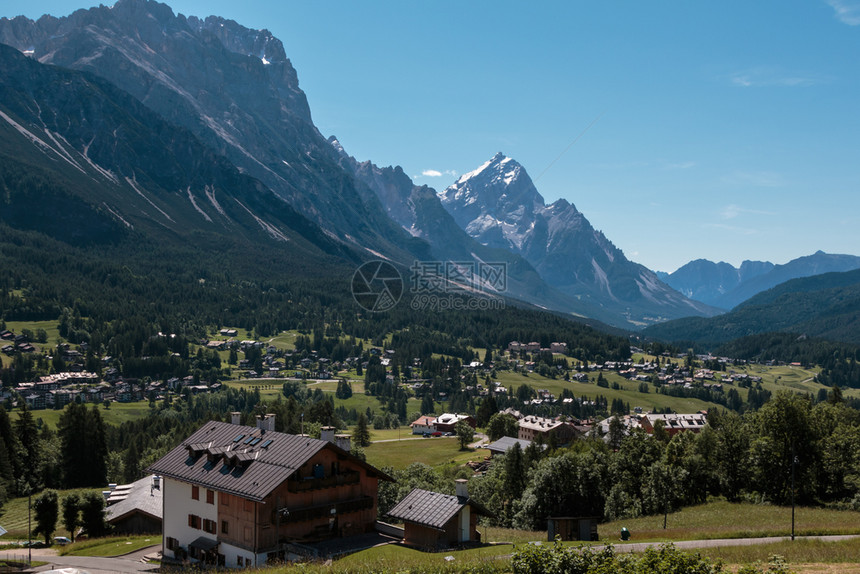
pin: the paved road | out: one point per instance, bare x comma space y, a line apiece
93, 564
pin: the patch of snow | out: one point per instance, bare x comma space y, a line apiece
133, 185
265, 61
602, 279
210, 194
273, 231
117, 215
39, 142
196, 207
377, 253
106, 173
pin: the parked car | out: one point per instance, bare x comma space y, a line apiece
61, 540
437, 433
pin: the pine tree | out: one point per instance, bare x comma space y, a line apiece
72, 513
362, 433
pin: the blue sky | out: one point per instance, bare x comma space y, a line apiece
719, 130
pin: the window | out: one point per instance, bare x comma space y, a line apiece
209, 526
195, 492
210, 496
240, 561
224, 529
249, 506
172, 543
225, 499
194, 521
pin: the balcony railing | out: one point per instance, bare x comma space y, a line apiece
340, 479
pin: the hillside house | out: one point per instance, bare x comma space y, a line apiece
675, 423
239, 496
448, 422
424, 425
532, 427
437, 521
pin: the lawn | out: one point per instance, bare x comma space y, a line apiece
431, 451
116, 414
734, 520
110, 546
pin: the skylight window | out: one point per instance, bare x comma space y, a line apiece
238, 438
249, 439
255, 441
266, 444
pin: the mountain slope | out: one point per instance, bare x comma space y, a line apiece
499, 206
234, 88
708, 282
826, 306
84, 162
814, 264
419, 211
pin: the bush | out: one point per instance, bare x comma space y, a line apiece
558, 559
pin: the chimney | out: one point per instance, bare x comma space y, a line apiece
236, 418
462, 486
327, 434
266, 422
343, 441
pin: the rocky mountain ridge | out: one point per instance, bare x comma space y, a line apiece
499, 206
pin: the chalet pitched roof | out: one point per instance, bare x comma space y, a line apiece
242, 460
432, 509
506, 443
138, 496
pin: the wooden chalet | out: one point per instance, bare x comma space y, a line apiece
239, 496
437, 521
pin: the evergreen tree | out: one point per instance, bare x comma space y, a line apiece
427, 405
72, 513
361, 437
28, 436
46, 510
92, 514
131, 463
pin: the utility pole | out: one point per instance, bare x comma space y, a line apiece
793, 464
29, 527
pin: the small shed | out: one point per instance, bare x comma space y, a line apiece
436, 521
572, 528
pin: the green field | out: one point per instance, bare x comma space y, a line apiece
116, 414
735, 520
110, 546
431, 451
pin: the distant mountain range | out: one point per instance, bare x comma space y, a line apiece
825, 306
725, 286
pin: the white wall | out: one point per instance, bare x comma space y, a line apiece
178, 504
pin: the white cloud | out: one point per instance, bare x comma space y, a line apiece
437, 173
763, 78
733, 211
847, 12
755, 179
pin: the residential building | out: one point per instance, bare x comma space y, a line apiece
424, 424
448, 422
239, 495
531, 427
675, 423
435, 521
